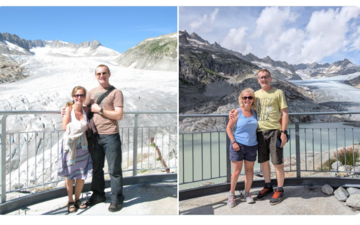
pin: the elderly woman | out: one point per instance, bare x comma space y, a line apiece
243, 145
75, 162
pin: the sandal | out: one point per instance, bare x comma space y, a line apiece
80, 205
71, 207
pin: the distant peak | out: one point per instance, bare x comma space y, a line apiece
216, 45
195, 36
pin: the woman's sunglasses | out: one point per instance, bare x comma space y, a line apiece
246, 97
82, 96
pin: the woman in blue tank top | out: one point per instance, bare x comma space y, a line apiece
243, 146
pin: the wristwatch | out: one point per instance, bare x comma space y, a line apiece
233, 141
284, 131
101, 111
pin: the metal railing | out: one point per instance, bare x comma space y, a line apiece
205, 167
28, 159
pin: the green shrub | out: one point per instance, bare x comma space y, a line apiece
347, 155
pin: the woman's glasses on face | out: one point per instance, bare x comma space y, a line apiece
247, 97
82, 96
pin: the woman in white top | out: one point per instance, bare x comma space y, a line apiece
75, 160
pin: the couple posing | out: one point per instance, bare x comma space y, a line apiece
76, 161
258, 132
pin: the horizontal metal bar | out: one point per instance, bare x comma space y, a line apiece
290, 114
58, 112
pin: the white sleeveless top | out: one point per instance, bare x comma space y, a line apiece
73, 117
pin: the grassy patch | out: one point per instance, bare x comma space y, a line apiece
326, 166
162, 46
347, 156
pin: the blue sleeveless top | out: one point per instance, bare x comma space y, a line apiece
245, 130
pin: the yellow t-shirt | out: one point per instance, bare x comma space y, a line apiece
268, 106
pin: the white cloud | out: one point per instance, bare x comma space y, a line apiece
213, 15
288, 46
353, 44
235, 39
326, 33
195, 25
205, 22
291, 34
271, 21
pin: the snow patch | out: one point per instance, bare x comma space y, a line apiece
11, 46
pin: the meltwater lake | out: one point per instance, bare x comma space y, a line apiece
200, 164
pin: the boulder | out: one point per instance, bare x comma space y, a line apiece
341, 194
344, 168
352, 190
336, 164
327, 189
354, 201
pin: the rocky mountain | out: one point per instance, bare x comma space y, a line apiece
280, 69
202, 63
299, 71
212, 77
14, 45
315, 70
10, 70
158, 53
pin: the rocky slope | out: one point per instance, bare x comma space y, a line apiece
212, 77
10, 70
202, 63
13, 44
158, 53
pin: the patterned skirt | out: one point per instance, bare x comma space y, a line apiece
81, 169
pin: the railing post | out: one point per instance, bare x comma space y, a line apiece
297, 148
2, 160
135, 144
228, 165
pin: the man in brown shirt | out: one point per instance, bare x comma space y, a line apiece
107, 143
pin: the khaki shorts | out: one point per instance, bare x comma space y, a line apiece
267, 147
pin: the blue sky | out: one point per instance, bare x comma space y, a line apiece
291, 34
118, 28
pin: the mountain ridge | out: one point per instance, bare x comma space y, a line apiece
211, 78
10, 43
156, 53
281, 68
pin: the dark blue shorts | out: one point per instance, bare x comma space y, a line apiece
246, 152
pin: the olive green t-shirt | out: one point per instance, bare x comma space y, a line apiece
268, 106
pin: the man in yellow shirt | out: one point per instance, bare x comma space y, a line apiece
271, 104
